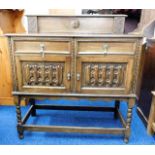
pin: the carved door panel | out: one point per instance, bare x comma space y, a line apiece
49, 74
108, 74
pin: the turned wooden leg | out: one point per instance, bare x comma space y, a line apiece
129, 117
32, 102
117, 104
19, 118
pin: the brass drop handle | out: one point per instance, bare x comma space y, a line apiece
105, 48
68, 76
78, 76
42, 47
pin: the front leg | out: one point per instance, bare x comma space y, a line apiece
19, 117
129, 117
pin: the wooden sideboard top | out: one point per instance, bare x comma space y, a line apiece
74, 35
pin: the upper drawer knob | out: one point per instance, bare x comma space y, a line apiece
42, 52
105, 48
75, 24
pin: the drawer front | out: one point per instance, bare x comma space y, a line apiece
106, 47
108, 75
35, 47
48, 74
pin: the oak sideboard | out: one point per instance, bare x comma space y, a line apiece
91, 66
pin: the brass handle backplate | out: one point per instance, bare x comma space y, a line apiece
42, 47
68, 76
78, 76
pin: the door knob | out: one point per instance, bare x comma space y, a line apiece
68, 76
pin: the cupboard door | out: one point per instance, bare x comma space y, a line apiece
109, 74
51, 73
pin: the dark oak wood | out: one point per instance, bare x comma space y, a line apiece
148, 82
19, 117
27, 115
117, 104
22, 123
32, 102
79, 95
74, 129
128, 123
124, 130
121, 119
78, 108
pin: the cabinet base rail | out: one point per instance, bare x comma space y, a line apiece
22, 126
75, 129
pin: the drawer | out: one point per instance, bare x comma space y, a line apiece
32, 46
102, 47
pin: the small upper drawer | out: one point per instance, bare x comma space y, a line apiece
31, 46
102, 47
93, 24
